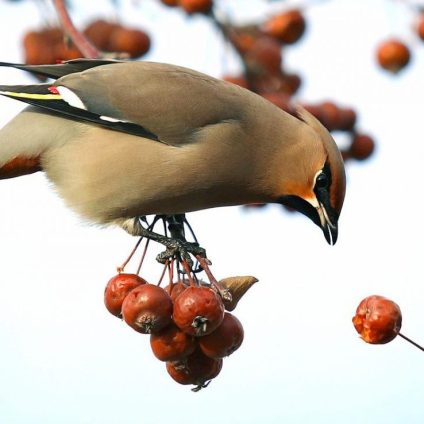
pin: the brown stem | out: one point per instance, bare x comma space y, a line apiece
143, 256
165, 267
81, 42
171, 273
411, 341
122, 267
187, 269
205, 265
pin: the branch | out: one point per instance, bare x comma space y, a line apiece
80, 41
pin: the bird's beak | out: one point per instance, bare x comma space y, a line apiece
329, 226
319, 211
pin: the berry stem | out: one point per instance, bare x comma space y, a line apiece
165, 267
122, 267
205, 265
143, 256
411, 341
187, 269
80, 41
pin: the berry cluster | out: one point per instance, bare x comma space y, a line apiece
50, 45
112, 37
187, 321
261, 48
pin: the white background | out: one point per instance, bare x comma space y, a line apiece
64, 359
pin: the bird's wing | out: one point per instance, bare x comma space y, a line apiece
47, 97
162, 102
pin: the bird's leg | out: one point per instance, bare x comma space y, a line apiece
176, 245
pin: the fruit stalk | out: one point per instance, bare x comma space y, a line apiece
411, 341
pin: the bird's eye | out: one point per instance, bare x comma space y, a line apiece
321, 181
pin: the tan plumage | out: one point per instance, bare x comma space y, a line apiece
208, 143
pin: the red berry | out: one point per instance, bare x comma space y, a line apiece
329, 115
196, 368
175, 289
225, 340
37, 48
147, 309
116, 290
99, 33
171, 3
420, 27
242, 41
287, 27
378, 320
196, 6
131, 41
279, 99
264, 56
198, 311
347, 119
238, 80
362, 147
171, 344
393, 55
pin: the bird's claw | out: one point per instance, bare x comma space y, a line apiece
183, 249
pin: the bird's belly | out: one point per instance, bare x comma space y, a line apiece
104, 179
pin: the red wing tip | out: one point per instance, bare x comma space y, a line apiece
53, 90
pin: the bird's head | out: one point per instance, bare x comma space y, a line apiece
315, 182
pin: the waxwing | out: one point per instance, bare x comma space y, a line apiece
121, 140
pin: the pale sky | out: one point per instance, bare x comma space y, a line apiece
64, 359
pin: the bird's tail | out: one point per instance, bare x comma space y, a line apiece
60, 69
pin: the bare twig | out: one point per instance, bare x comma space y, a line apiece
78, 38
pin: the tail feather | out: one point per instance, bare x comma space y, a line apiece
60, 69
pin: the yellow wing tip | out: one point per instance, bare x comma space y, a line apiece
34, 96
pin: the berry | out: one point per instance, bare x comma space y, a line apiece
362, 147
131, 41
172, 344
420, 27
147, 309
117, 289
279, 99
238, 80
171, 3
196, 6
225, 340
329, 115
99, 33
287, 27
264, 56
393, 55
347, 119
198, 311
175, 289
197, 369
378, 320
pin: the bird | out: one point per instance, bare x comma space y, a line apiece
121, 140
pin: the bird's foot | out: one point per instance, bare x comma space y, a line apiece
182, 249
176, 245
